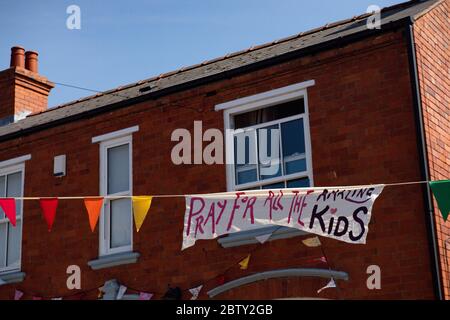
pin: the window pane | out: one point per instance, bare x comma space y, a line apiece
120, 222
298, 183
293, 139
3, 232
269, 152
295, 166
14, 189
278, 185
118, 169
245, 157
14, 235
2, 193
276, 112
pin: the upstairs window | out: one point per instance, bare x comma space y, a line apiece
11, 185
255, 125
116, 182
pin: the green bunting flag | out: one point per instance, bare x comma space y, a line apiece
441, 191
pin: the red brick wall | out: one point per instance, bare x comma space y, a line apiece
432, 37
361, 126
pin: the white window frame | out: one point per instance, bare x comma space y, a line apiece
261, 101
4, 171
105, 236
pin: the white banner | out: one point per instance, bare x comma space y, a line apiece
341, 213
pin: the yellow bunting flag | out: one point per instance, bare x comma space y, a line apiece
141, 205
312, 242
93, 207
244, 263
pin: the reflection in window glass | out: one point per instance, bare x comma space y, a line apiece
120, 223
118, 169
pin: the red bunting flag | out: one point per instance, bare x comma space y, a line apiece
48, 206
93, 207
9, 208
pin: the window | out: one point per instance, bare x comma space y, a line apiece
249, 124
11, 185
256, 125
116, 231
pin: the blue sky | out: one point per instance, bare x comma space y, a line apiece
126, 41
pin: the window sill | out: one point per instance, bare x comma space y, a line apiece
114, 260
12, 277
248, 237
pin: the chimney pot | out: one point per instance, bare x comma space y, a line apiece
31, 61
17, 57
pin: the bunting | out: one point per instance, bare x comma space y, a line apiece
330, 284
441, 191
121, 292
195, 292
244, 263
94, 208
9, 208
49, 206
18, 295
145, 296
312, 242
141, 205
263, 238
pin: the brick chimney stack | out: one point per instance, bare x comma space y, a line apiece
22, 89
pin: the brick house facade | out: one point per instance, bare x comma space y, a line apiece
379, 112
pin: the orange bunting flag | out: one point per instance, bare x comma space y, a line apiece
94, 208
244, 263
9, 208
141, 205
48, 206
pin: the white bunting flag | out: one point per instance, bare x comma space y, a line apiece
330, 284
121, 292
195, 292
263, 238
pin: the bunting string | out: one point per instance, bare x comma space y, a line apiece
213, 194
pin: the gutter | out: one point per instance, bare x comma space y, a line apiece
424, 168
334, 43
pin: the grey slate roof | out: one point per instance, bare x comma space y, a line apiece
213, 67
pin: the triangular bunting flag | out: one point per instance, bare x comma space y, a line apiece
145, 296
263, 238
141, 205
312, 242
48, 206
94, 208
121, 292
9, 208
18, 295
330, 284
441, 191
244, 262
195, 292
